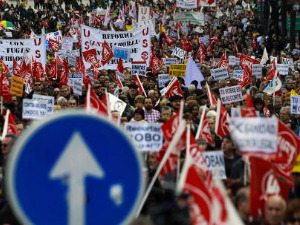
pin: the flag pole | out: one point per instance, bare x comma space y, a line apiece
172, 145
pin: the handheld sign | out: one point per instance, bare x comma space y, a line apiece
74, 169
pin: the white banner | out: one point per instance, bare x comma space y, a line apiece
77, 87
231, 94
257, 70
178, 52
186, 4
163, 79
75, 76
116, 104
48, 99
143, 16
215, 162
16, 48
255, 135
283, 69
273, 86
33, 109
169, 61
220, 73
138, 40
138, 69
295, 104
146, 136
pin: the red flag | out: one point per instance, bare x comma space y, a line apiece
120, 66
51, 70
203, 129
209, 49
178, 25
185, 44
201, 52
96, 20
222, 120
245, 79
139, 84
264, 183
45, 23
236, 50
53, 45
214, 39
155, 63
91, 57
173, 88
64, 75
5, 69
267, 111
247, 61
16, 68
273, 71
250, 110
253, 45
211, 2
80, 68
38, 70
169, 40
211, 97
92, 102
11, 126
107, 54
224, 62
5, 89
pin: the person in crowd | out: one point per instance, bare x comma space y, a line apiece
151, 115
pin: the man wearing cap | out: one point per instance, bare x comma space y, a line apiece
132, 93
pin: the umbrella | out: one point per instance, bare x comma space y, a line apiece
7, 24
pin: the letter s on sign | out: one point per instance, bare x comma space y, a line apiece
37, 54
86, 44
145, 43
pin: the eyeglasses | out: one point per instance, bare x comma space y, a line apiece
4, 145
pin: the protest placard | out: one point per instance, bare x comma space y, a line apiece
273, 86
77, 87
120, 76
283, 69
231, 60
116, 104
169, 61
17, 84
67, 43
196, 18
74, 76
120, 52
178, 52
237, 73
33, 109
186, 4
255, 135
295, 104
237, 61
138, 40
204, 39
219, 73
257, 70
48, 99
215, 162
288, 61
143, 16
138, 69
177, 70
231, 94
72, 60
16, 48
163, 79
146, 136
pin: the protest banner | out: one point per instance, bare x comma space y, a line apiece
48, 99
163, 79
219, 73
283, 69
138, 68
273, 86
56, 36
196, 18
169, 61
295, 104
67, 43
178, 52
231, 60
120, 52
143, 16
74, 76
257, 70
17, 48
33, 109
231, 94
17, 84
255, 135
116, 104
177, 70
146, 136
186, 4
215, 162
72, 60
137, 40
237, 73
77, 87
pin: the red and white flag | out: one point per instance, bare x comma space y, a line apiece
236, 50
214, 39
211, 97
90, 56
107, 54
222, 120
9, 125
155, 63
264, 183
209, 49
173, 88
245, 79
63, 80
224, 62
253, 44
138, 82
247, 61
5, 69
93, 103
203, 129
5, 89
53, 45
249, 111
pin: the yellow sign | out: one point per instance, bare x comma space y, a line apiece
17, 84
293, 92
177, 70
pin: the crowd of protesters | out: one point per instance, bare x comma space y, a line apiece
162, 206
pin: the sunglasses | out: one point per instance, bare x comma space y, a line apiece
4, 145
